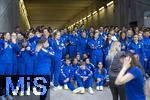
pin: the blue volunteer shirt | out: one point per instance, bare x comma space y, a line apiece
135, 87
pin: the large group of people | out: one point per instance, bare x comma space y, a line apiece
80, 58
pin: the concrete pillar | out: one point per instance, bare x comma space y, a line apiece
9, 15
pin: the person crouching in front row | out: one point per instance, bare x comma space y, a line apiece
100, 75
67, 75
84, 79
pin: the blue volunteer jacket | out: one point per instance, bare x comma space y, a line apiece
99, 74
66, 72
138, 49
96, 46
83, 73
82, 45
6, 54
146, 44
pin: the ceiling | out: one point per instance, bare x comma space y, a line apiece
54, 13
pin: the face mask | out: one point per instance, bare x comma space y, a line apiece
14, 37
38, 35
31, 36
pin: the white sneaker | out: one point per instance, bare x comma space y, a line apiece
51, 84
17, 88
97, 88
28, 93
57, 88
3, 98
90, 90
101, 88
21, 93
66, 87
9, 97
14, 92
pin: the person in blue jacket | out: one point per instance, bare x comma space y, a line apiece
129, 36
33, 40
73, 42
82, 45
67, 75
75, 65
50, 41
44, 53
89, 65
6, 54
146, 44
57, 47
100, 75
84, 78
8, 46
138, 48
123, 41
78, 58
16, 51
25, 61
20, 39
96, 49
64, 38
140, 36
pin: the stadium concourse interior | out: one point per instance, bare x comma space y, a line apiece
67, 13
93, 34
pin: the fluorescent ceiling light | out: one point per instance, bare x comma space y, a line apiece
89, 16
84, 18
101, 8
110, 3
94, 12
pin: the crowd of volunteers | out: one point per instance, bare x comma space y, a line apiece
81, 58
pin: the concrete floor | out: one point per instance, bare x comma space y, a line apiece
67, 95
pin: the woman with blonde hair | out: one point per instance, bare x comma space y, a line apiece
114, 49
113, 57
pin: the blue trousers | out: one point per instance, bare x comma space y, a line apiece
57, 68
101, 83
85, 84
69, 84
52, 69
